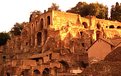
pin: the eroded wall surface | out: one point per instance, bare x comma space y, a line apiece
54, 43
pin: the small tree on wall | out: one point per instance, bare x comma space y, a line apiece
54, 6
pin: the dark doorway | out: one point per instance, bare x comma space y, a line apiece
41, 24
46, 72
65, 66
39, 37
118, 27
36, 72
48, 20
98, 26
8, 74
111, 26
85, 25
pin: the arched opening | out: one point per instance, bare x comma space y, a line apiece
111, 26
48, 20
65, 66
85, 25
36, 72
83, 64
83, 45
22, 73
41, 24
81, 33
39, 37
46, 72
98, 26
7, 74
106, 26
118, 27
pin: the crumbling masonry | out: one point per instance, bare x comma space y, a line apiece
54, 44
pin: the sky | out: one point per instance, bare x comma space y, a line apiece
12, 11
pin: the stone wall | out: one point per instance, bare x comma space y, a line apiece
59, 38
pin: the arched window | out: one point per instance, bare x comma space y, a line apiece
111, 26
83, 44
48, 20
85, 25
36, 72
83, 64
81, 33
65, 65
8, 74
41, 24
118, 27
106, 26
46, 72
39, 37
98, 26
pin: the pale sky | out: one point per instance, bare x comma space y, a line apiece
12, 11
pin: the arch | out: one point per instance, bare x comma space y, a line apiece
48, 20
81, 33
36, 72
7, 74
106, 26
39, 38
83, 64
46, 72
111, 26
118, 27
83, 44
85, 25
98, 26
65, 65
41, 24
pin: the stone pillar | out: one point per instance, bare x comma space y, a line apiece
31, 72
53, 72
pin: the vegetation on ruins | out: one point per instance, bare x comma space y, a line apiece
54, 6
34, 15
3, 38
93, 9
16, 30
116, 12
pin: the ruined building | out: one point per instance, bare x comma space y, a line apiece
54, 43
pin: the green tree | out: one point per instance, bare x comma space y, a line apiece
92, 9
116, 12
3, 38
77, 9
16, 30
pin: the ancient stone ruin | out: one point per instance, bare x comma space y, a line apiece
54, 43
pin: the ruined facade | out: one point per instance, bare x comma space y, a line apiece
54, 43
